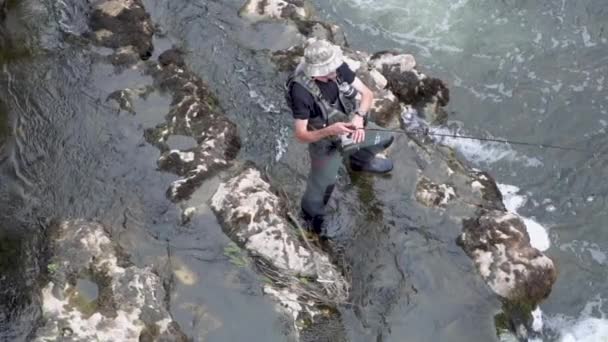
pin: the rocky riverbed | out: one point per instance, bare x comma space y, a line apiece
93, 290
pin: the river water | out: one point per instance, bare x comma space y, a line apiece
526, 71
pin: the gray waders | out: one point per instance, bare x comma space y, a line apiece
326, 158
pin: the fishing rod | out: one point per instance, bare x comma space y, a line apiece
427, 132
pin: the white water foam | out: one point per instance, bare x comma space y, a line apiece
483, 152
586, 328
539, 238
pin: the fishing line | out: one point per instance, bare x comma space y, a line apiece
426, 132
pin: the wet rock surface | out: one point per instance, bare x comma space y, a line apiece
194, 112
433, 195
496, 240
122, 25
276, 9
303, 278
499, 245
95, 294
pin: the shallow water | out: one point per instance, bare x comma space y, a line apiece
517, 70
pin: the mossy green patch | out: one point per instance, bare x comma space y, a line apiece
514, 313
52, 268
235, 255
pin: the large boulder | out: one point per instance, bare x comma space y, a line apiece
496, 240
95, 294
254, 217
499, 245
195, 113
322, 30
122, 25
412, 87
303, 279
257, 10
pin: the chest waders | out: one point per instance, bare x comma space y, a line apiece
326, 155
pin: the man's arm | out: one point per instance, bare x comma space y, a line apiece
367, 98
305, 136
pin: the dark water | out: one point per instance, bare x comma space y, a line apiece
527, 71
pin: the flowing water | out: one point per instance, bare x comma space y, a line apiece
527, 71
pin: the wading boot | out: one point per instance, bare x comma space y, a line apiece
375, 165
313, 223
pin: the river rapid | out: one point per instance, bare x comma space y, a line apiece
517, 70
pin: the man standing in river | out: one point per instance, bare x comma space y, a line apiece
321, 93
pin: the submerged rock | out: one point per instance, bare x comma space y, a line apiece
123, 99
195, 113
434, 195
122, 25
95, 294
257, 10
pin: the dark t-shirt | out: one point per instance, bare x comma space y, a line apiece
304, 106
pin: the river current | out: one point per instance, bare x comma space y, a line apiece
525, 71
518, 70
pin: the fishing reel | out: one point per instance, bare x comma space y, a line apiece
346, 143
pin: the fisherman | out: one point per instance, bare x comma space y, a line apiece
322, 95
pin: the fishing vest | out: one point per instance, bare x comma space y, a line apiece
330, 113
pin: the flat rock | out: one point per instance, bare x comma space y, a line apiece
95, 294
302, 276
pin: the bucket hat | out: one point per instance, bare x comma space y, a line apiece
321, 58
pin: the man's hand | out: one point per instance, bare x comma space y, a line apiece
340, 128
359, 134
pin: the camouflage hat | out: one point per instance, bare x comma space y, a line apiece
321, 58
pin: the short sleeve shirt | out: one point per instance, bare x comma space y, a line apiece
304, 106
